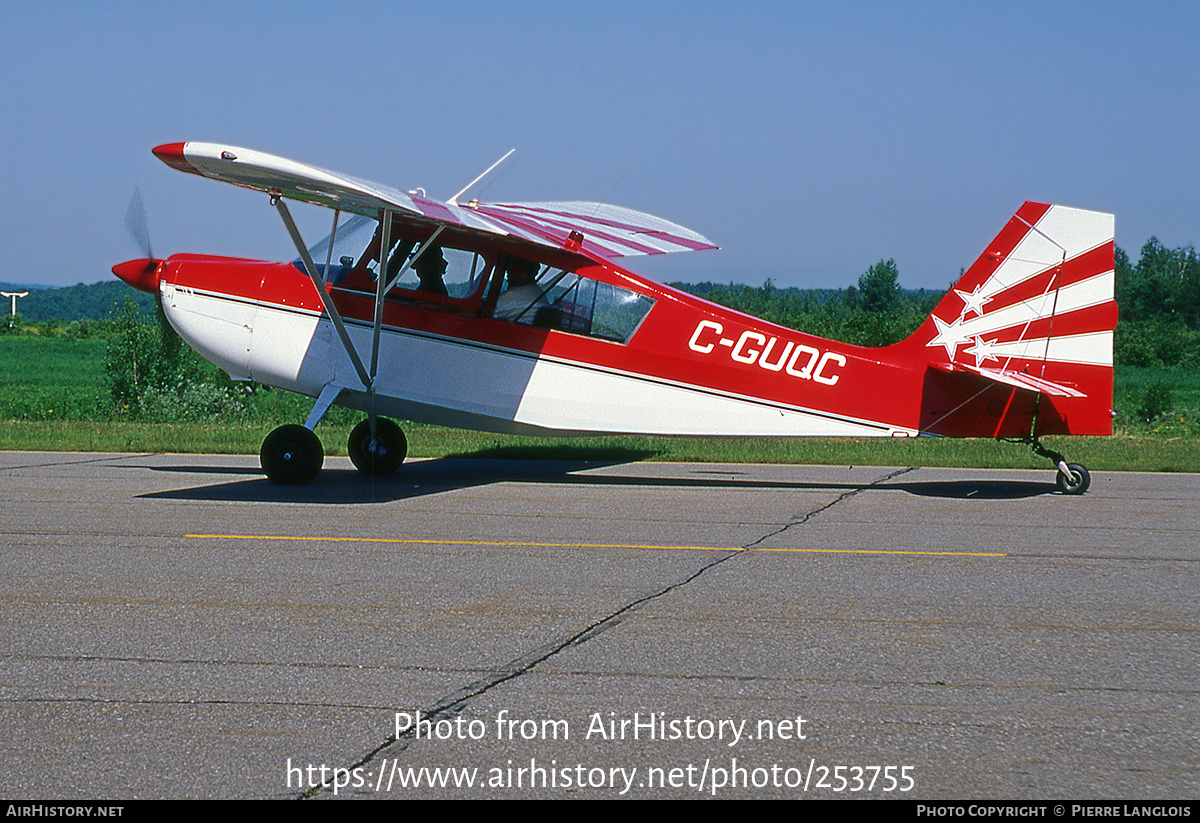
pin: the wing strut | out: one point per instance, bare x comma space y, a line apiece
382, 285
385, 252
311, 268
332, 238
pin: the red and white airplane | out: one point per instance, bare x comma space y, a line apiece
513, 317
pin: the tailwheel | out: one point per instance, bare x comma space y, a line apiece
1072, 478
381, 454
1077, 482
292, 455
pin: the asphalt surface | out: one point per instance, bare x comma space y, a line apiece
175, 626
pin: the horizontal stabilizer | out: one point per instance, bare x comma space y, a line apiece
1012, 378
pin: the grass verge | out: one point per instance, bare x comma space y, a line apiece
1121, 453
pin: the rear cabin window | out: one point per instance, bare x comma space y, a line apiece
561, 299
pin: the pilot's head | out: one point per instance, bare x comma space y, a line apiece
520, 271
431, 264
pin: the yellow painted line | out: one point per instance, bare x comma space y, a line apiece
426, 542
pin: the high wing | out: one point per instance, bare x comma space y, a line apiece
608, 231
594, 230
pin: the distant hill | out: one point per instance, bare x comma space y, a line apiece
81, 302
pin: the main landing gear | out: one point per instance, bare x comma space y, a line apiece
378, 454
292, 455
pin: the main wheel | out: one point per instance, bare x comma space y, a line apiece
1079, 482
380, 455
292, 455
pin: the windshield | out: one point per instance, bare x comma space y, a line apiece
353, 236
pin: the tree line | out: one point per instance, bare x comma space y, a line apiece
1158, 299
1159, 302
96, 301
876, 312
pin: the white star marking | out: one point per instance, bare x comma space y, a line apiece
975, 301
949, 335
982, 350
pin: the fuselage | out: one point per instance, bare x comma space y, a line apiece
604, 351
690, 367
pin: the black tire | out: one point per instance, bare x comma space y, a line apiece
292, 455
1079, 482
381, 456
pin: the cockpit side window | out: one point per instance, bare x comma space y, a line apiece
454, 279
433, 275
449, 272
560, 299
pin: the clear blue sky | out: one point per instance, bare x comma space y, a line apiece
808, 140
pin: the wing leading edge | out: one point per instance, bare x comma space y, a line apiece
595, 230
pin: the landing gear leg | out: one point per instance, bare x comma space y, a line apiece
1072, 478
292, 455
379, 452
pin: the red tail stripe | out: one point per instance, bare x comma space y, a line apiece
1089, 264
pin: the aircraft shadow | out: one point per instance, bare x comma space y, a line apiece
429, 477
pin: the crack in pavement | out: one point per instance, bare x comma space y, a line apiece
454, 703
800, 521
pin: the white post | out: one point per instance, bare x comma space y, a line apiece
14, 295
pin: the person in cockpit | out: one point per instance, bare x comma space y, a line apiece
520, 301
430, 268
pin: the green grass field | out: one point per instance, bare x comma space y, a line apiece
52, 378
53, 396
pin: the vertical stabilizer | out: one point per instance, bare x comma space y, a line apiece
1035, 316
